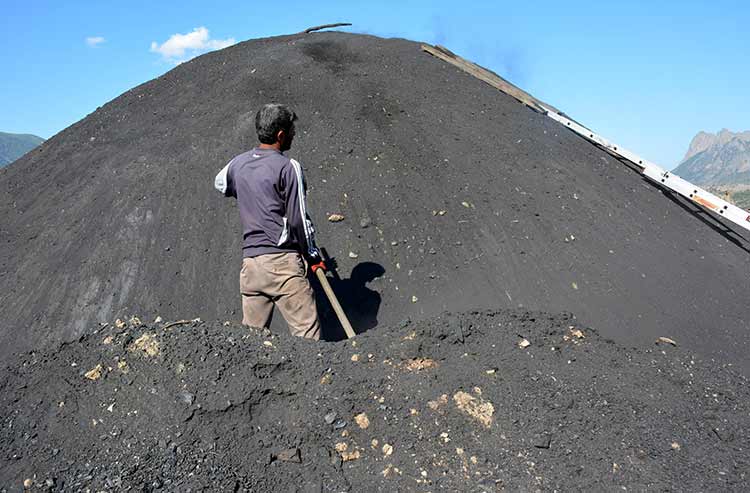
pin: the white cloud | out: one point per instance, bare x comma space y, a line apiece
181, 47
95, 40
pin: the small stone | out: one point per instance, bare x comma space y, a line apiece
524, 343
414, 299
50, 483
577, 333
95, 373
147, 344
326, 379
362, 420
340, 423
353, 455
27, 483
289, 455
186, 398
542, 440
355, 357
666, 340
119, 324
330, 418
676, 446
387, 449
335, 218
158, 320
341, 447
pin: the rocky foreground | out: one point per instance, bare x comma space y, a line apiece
480, 401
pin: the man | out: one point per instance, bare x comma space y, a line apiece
277, 232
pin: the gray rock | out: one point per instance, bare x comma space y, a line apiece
186, 398
542, 440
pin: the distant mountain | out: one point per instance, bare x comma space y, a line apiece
13, 146
721, 159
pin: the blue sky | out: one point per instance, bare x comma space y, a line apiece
647, 75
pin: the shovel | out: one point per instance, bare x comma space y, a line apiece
320, 271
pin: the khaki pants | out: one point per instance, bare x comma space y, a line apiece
281, 279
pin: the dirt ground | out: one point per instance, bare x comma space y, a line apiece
456, 403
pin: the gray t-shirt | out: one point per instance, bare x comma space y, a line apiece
270, 191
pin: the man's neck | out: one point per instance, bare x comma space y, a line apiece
276, 147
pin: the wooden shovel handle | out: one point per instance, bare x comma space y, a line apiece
335, 303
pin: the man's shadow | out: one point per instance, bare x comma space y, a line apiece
360, 303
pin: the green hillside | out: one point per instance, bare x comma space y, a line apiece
742, 199
13, 146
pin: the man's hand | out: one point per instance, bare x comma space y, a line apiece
319, 265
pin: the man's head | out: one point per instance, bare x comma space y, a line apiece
275, 126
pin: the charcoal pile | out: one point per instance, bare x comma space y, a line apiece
482, 401
462, 197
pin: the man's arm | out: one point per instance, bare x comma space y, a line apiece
296, 211
224, 183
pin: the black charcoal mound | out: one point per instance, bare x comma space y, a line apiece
455, 197
452, 403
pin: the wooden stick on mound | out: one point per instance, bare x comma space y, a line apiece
326, 26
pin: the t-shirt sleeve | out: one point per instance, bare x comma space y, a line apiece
224, 182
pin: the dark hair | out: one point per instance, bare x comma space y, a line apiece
272, 118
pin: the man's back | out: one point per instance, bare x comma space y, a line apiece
261, 190
267, 186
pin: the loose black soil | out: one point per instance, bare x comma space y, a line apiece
117, 214
451, 403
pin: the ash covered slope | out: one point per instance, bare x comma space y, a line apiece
117, 215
